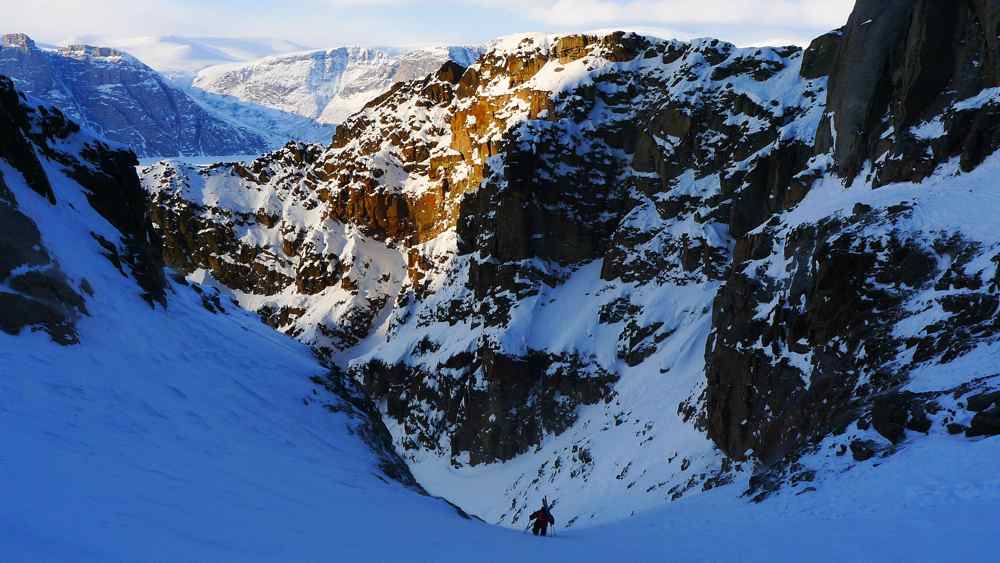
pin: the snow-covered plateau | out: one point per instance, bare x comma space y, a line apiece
714, 303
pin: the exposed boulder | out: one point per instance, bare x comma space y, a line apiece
863, 450
821, 55
37, 294
983, 401
985, 423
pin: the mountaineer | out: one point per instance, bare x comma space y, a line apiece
542, 519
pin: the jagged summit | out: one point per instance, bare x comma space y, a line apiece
81, 50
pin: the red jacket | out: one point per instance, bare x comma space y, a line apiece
543, 517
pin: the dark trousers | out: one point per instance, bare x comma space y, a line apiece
540, 528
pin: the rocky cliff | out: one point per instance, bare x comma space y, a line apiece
121, 99
654, 265
37, 293
820, 319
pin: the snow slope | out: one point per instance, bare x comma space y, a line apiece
186, 430
170, 451
276, 126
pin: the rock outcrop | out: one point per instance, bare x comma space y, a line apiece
36, 292
807, 327
489, 160
899, 71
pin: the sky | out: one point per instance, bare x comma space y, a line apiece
329, 23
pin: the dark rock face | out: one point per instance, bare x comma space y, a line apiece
795, 358
191, 240
820, 56
113, 190
986, 423
122, 99
517, 401
755, 403
858, 94
15, 145
38, 293
191, 243
902, 62
979, 403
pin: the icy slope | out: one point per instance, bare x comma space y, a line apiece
327, 85
277, 127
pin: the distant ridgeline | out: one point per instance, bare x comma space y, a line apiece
122, 99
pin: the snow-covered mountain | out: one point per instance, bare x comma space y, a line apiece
623, 272
146, 417
275, 126
716, 303
327, 85
124, 100
180, 57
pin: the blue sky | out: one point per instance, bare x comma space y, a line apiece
322, 23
